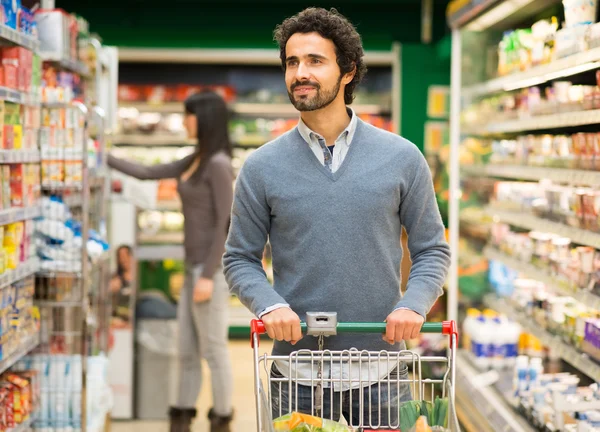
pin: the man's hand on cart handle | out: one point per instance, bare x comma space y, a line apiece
402, 324
283, 324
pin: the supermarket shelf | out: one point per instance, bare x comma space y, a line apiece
227, 56
56, 105
565, 351
26, 425
174, 237
28, 345
67, 64
542, 122
524, 172
158, 253
530, 222
485, 407
29, 268
19, 156
17, 214
152, 140
564, 67
250, 108
18, 97
16, 37
545, 277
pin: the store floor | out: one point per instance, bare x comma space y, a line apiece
243, 398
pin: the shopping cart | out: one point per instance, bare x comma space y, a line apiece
356, 371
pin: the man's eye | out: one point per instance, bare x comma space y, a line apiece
316, 61
292, 63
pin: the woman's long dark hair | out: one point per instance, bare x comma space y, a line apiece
212, 117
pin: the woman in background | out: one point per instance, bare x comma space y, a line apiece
120, 283
205, 185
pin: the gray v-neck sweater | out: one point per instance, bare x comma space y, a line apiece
335, 237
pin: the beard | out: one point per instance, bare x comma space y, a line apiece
321, 99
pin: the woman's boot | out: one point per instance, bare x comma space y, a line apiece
218, 423
181, 419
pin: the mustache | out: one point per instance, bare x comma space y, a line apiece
305, 83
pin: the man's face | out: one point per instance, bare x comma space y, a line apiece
312, 75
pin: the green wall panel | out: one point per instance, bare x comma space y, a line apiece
422, 67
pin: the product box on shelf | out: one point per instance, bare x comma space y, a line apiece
17, 188
10, 12
27, 22
53, 30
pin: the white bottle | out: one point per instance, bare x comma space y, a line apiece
469, 325
498, 327
482, 340
521, 375
511, 350
536, 368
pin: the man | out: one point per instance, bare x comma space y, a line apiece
332, 196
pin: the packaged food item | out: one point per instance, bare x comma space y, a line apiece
17, 185
52, 171
73, 172
6, 195
305, 423
8, 137
17, 137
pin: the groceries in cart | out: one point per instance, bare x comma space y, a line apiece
435, 414
415, 416
297, 422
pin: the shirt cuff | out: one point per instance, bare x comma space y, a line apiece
272, 308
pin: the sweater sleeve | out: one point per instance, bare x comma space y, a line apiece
429, 251
220, 178
149, 172
250, 225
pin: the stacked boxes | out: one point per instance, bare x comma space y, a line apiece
17, 69
62, 138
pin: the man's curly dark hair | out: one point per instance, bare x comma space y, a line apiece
331, 25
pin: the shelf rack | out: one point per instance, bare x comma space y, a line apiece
530, 222
477, 28
14, 37
68, 64
544, 276
538, 123
249, 108
27, 345
533, 173
483, 407
559, 347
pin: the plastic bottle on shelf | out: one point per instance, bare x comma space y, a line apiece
511, 349
483, 338
499, 342
521, 374
469, 325
536, 368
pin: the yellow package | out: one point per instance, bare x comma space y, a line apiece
10, 235
2, 260
12, 258
17, 137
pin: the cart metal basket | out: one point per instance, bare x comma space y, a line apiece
362, 379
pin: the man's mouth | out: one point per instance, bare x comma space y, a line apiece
302, 90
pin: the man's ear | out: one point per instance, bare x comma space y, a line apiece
349, 76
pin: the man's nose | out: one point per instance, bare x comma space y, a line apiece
302, 72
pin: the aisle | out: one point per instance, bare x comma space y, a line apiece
243, 398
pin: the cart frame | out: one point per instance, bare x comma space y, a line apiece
327, 325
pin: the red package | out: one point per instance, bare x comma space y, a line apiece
131, 93
21, 398
9, 137
158, 94
9, 407
17, 185
11, 53
34, 385
22, 79
10, 75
